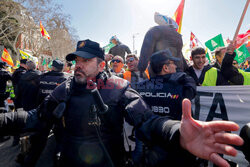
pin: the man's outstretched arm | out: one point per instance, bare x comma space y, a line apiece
208, 139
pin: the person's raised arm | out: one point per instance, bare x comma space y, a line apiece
228, 70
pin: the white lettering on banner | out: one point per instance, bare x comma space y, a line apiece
223, 103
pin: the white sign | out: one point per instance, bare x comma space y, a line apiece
223, 103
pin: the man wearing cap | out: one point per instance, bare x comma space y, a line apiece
96, 140
16, 76
4, 77
164, 93
119, 48
50, 80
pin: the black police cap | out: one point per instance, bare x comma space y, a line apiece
86, 49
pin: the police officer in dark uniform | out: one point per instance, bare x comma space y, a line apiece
164, 93
27, 87
16, 76
4, 77
94, 132
50, 80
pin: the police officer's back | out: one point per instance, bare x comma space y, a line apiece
50, 80
4, 77
27, 87
16, 78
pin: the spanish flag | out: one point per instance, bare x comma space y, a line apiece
7, 58
178, 15
44, 32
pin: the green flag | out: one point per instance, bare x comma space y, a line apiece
44, 62
241, 54
108, 47
208, 56
215, 42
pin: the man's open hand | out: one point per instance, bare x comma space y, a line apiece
208, 139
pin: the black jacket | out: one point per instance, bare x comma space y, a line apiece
16, 76
190, 71
15, 79
48, 82
230, 72
164, 93
216, 65
27, 89
81, 141
4, 77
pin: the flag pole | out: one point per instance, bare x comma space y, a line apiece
241, 20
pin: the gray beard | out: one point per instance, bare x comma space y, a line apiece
80, 80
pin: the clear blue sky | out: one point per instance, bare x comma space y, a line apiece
100, 19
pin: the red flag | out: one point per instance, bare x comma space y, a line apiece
7, 58
178, 15
242, 38
43, 31
193, 41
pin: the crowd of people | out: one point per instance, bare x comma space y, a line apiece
86, 108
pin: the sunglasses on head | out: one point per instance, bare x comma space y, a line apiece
130, 60
117, 61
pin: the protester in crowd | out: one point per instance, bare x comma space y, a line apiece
133, 75
198, 69
219, 55
15, 80
159, 38
117, 66
214, 76
82, 135
164, 94
231, 73
4, 77
27, 87
119, 48
236, 64
247, 68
